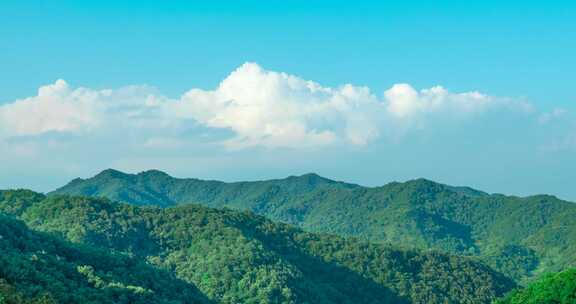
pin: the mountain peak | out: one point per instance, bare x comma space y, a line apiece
429, 185
312, 175
310, 178
111, 173
154, 173
423, 182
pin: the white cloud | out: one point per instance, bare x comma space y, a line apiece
405, 102
59, 108
55, 108
260, 108
276, 109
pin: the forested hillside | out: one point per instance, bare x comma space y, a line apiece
107, 249
558, 288
36, 267
521, 237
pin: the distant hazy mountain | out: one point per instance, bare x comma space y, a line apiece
121, 253
521, 237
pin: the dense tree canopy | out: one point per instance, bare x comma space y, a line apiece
226, 256
521, 237
558, 288
37, 267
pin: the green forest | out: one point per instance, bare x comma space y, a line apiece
558, 288
521, 237
152, 238
226, 255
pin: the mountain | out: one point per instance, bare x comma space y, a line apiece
521, 237
229, 256
559, 288
155, 187
37, 267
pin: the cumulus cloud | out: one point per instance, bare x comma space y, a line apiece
276, 109
55, 108
59, 108
404, 101
259, 108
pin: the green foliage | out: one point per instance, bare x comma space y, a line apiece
16, 201
38, 268
9, 295
239, 257
558, 288
521, 237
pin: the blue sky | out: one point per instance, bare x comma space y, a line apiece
517, 54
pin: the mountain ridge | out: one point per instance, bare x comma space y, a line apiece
310, 175
110, 172
516, 235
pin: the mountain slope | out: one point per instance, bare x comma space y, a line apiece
238, 257
38, 268
557, 288
522, 237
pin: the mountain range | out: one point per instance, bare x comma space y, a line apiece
522, 237
78, 249
153, 238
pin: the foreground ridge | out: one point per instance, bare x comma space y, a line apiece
234, 257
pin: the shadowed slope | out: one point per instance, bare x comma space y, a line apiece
45, 269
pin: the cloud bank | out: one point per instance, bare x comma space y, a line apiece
255, 107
